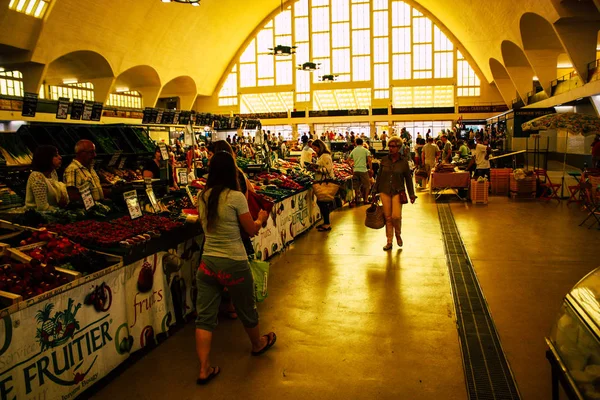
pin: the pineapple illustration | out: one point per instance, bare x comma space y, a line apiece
58, 329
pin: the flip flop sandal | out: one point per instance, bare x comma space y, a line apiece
267, 346
215, 371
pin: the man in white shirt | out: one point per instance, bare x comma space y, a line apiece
307, 152
429, 154
481, 157
362, 163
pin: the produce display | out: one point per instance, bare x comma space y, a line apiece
280, 180
113, 176
13, 151
122, 231
29, 279
342, 171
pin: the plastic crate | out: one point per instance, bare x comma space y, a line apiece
500, 180
479, 191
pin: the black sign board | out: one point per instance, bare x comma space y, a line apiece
88, 107
97, 111
482, 109
77, 109
159, 116
63, 108
176, 117
184, 117
527, 114
168, 117
147, 119
30, 101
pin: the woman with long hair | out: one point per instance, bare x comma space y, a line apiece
393, 180
324, 171
44, 192
223, 213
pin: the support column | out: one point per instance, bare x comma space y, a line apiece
102, 88
149, 95
33, 75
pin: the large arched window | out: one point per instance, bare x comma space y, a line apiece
376, 51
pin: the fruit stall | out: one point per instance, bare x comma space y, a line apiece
80, 290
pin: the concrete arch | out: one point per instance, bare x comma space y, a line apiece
142, 78
503, 82
183, 87
518, 67
579, 37
85, 66
541, 46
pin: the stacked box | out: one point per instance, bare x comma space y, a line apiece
524, 188
479, 191
500, 180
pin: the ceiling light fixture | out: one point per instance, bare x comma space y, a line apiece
70, 81
122, 89
195, 3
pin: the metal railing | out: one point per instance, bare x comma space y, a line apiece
594, 71
566, 83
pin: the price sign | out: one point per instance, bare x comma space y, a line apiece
153, 201
86, 196
122, 163
133, 204
163, 151
193, 194
114, 158
182, 176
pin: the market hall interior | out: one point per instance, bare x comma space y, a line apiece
355, 322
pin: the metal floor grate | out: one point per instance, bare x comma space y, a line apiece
487, 373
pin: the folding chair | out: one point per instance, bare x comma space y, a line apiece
551, 191
576, 193
591, 203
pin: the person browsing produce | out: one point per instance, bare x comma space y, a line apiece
223, 212
152, 167
81, 170
363, 169
44, 192
393, 180
307, 152
324, 171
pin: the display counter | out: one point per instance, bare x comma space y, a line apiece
442, 181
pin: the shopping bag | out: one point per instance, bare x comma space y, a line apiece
260, 273
375, 218
325, 190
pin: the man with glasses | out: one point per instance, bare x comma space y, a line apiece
81, 169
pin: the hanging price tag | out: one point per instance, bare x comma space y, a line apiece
153, 201
86, 196
182, 176
133, 204
163, 151
122, 162
114, 158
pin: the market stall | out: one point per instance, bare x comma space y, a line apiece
83, 287
448, 179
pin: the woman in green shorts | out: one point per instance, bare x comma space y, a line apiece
223, 211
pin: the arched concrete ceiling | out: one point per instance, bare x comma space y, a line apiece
137, 77
518, 67
183, 87
542, 47
83, 65
177, 39
502, 80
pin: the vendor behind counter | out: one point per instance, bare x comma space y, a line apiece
44, 192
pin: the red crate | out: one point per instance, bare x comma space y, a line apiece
479, 191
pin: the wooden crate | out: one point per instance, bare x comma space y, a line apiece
524, 188
479, 191
500, 180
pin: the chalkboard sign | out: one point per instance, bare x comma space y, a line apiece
88, 107
176, 117
63, 108
77, 109
147, 119
159, 116
97, 111
30, 101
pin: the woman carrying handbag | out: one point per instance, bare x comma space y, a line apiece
393, 180
323, 173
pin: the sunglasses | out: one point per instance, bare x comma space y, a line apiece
392, 146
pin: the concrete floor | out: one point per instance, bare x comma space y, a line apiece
355, 322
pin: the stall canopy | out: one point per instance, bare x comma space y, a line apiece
576, 123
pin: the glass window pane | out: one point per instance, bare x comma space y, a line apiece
285, 40
265, 40
324, 68
380, 4
341, 61
441, 41
283, 23
444, 65
284, 73
266, 82
380, 50
361, 42
302, 81
265, 66
361, 68
380, 23
401, 40
302, 53
320, 19
320, 3
400, 14
249, 54
301, 8
340, 10
422, 57
421, 30
302, 29
340, 34
247, 75
401, 66
382, 76
361, 16
320, 45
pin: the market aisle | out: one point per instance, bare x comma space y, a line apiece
352, 322
527, 256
